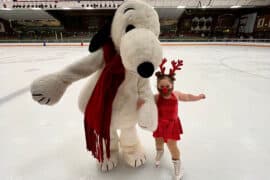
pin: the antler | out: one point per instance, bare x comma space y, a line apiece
176, 66
161, 66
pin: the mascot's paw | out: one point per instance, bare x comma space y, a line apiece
109, 164
148, 117
48, 89
135, 159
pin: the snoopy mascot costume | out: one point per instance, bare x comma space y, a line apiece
123, 56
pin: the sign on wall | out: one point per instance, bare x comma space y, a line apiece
247, 22
263, 23
2, 28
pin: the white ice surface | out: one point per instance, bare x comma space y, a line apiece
226, 136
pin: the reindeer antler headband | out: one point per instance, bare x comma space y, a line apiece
176, 65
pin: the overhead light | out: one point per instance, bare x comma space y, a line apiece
88, 8
181, 7
66, 8
204, 7
236, 6
6, 9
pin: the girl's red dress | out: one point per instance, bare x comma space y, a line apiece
169, 124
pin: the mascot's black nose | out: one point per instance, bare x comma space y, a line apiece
146, 69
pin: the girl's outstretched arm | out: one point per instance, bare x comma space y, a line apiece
188, 97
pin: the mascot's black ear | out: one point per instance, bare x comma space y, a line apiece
101, 37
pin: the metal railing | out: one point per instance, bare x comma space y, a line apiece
161, 39
218, 40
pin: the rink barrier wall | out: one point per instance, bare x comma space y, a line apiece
162, 43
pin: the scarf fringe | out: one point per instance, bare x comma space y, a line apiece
100, 146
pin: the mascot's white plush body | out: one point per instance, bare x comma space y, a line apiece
134, 33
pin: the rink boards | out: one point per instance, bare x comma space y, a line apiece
252, 44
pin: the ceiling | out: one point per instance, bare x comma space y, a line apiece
155, 3
165, 8
25, 15
28, 14
208, 3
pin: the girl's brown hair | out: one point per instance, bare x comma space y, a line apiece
161, 76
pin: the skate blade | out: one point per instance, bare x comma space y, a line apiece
157, 164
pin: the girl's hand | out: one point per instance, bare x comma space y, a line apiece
202, 96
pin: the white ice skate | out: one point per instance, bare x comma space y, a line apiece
178, 170
158, 157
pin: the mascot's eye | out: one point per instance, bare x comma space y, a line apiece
129, 28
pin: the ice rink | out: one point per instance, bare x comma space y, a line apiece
226, 136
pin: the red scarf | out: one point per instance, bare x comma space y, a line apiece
98, 112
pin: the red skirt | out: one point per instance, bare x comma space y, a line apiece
169, 129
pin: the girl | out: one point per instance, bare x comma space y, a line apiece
169, 126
